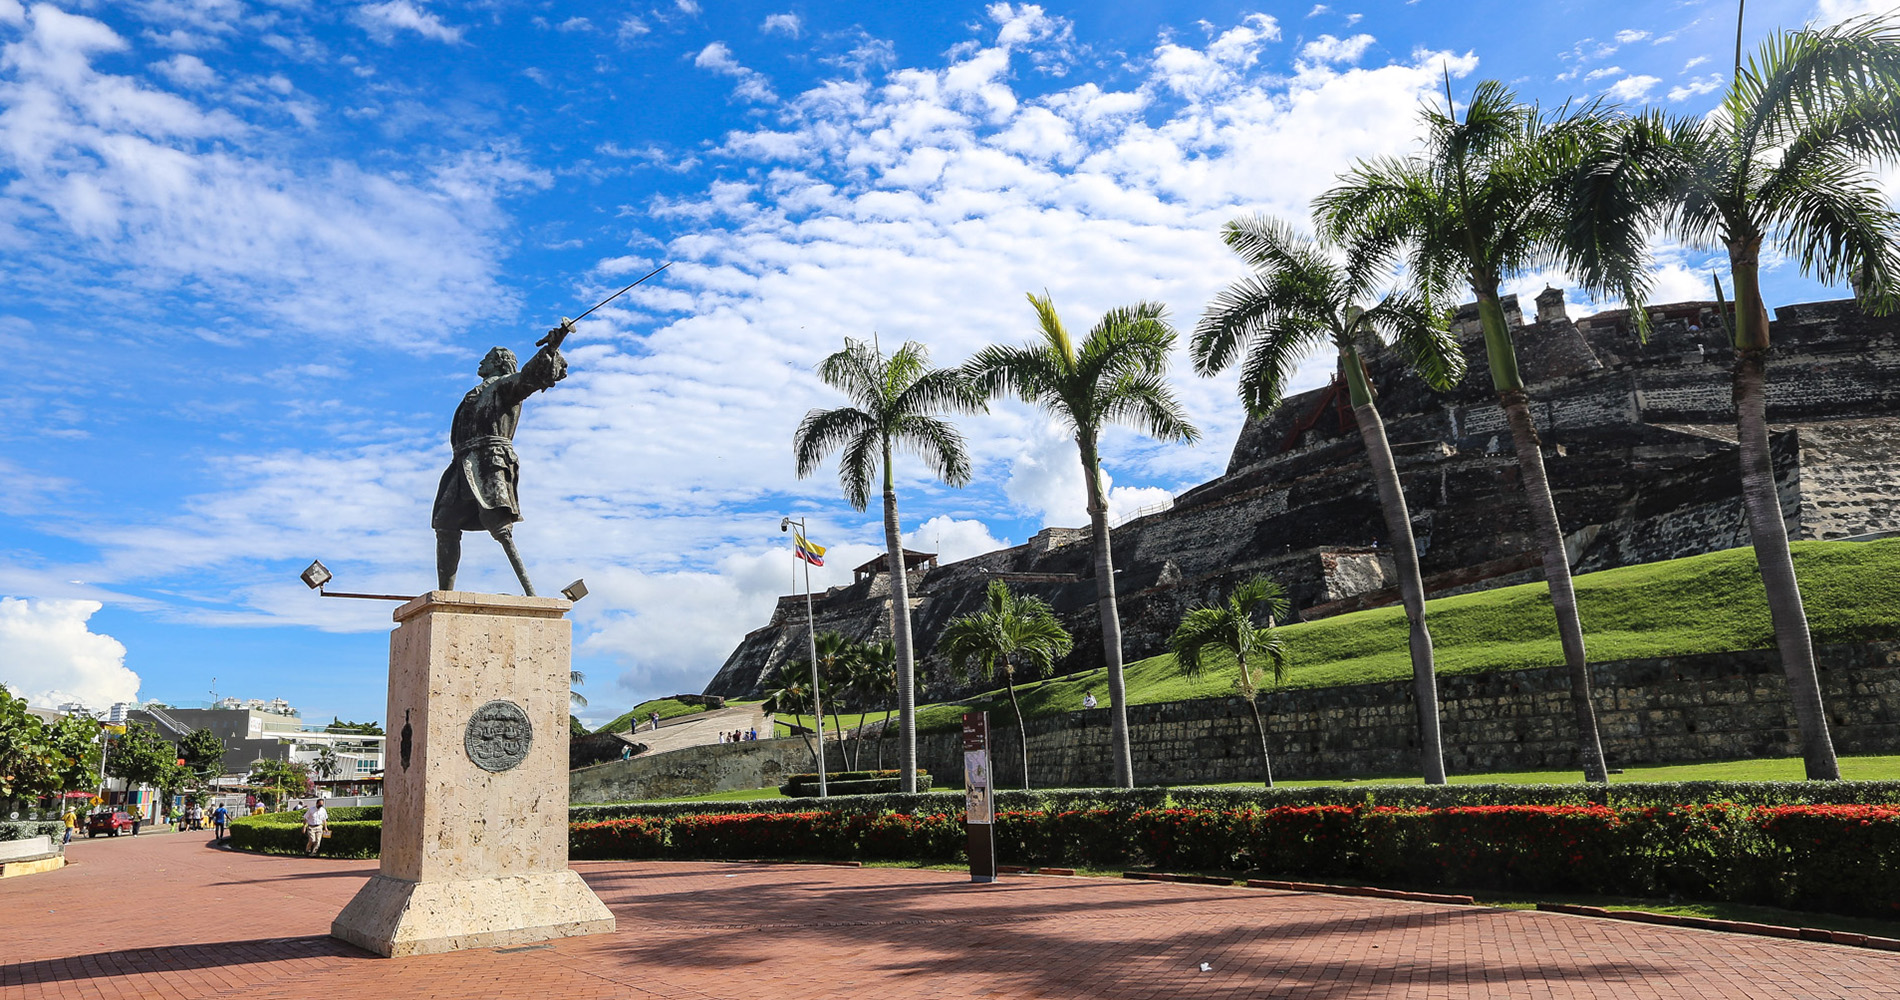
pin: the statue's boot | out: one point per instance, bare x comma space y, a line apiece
506, 537
448, 558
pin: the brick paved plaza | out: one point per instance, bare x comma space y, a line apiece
165, 916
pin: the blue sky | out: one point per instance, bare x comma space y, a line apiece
253, 251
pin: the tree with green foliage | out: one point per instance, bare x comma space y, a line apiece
279, 779
789, 691
1485, 200
1302, 296
327, 765
897, 402
1116, 375
39, 758
1010, 631
1228, 630
575, 679
140, 756
575, 728
837, 660
203, 753
337, 725
876, 683
1784, 162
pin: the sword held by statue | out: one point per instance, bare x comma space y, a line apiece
568, 324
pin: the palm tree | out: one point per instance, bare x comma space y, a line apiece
1298, 298
788, 691
1483, 201
1228, 630
1784, 160
575, 679
1008, 632
837, 658
1114, 376
897, 401
877, 684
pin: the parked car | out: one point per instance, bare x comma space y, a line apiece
110, 822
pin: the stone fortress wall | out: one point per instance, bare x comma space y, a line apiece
1639, 442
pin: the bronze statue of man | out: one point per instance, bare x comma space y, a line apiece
478, 490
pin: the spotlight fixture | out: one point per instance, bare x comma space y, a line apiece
575, 591
317, 574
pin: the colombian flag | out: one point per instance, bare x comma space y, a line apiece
814, 554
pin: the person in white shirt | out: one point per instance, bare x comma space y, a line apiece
314, 819
1088, 699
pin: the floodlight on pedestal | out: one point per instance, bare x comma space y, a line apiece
317, 574
575, 591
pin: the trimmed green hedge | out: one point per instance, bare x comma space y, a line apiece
1839, 858
355, 832
27, 829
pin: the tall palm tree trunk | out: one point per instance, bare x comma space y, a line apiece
1767, 530
883, 733
900, 633
1123, 762
1260, 730
796, 724
1563, 596
1022, 733
1398, 526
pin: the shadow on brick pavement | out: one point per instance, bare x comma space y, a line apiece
171, 917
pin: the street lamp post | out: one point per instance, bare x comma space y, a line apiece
811, 638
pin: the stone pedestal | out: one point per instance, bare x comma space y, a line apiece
475, 792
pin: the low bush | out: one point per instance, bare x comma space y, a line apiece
26, 829
353, 834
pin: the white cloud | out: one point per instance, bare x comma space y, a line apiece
688, 7
1631, 89
1601, 72
782, 24
1693, 63
630, 29
752, 85
50, 656
1628, 36
1836, 11
953, 539
1318, 9
187, 71
383, 21
1328, 49
1701, 85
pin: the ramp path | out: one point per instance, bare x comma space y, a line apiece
169, 916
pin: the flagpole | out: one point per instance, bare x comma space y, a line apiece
811, 637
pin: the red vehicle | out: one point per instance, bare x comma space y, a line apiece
110, 822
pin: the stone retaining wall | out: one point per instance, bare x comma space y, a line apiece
1716, 706
1719, 706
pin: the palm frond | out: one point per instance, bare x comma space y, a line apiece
1148, 403
936, 442
825, 431
858, 466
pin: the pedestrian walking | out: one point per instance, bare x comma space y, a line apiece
220, 818
315, 819
656, 722
72, 823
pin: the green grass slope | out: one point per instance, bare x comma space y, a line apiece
667, 707
1709, 603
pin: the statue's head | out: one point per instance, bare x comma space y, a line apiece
498, 362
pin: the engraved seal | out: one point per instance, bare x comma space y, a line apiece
498, 736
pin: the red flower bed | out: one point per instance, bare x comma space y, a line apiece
1844, 858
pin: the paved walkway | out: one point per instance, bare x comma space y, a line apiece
169, 918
